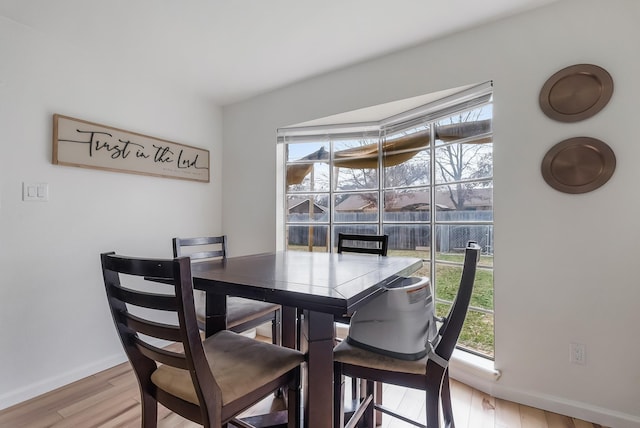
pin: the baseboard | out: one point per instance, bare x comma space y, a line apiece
576, 409
33, 390
480, 375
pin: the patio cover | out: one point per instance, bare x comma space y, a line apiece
395, 151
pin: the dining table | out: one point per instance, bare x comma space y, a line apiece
314, 289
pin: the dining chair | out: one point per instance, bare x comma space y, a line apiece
242, 314
207, 381
362, 244
429, 373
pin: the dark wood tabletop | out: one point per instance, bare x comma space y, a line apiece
318, 286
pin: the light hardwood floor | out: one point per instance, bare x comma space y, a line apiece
111, 399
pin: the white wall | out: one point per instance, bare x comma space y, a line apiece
564, 264
55, 322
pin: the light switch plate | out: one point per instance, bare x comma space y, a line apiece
38, 192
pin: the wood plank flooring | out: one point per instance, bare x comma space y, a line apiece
111, 399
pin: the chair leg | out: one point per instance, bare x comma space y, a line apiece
276, 328
294, 401
435, 375
354, 388
369, 416
358, 384
378, 401
338, 396
445, 397
149, 411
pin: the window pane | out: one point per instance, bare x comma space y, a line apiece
307, 238
407, 205
317, 150
477, 330
310, 176
361, 229
355, 178
355, 150
448, 281
409, 240
356, 207
406, 159
413, 172
465, 202
356, 163
451, 241
455, 162
307, 208
465, 126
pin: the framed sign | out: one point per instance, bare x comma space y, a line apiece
90, 145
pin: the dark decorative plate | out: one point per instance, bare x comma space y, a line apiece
576, 93
578, 165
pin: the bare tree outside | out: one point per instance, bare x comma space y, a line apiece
469, 159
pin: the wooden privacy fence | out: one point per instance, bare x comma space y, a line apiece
406, 230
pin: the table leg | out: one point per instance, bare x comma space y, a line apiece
289, 327
216, 314
318, 340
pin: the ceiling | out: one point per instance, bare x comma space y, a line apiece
230, 50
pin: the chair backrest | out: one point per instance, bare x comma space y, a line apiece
210, 247
119, 273
452, 324
365, 244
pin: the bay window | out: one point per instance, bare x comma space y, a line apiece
424, 177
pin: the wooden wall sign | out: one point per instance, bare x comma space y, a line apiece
90, 145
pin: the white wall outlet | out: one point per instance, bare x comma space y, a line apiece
577, 353
35, 192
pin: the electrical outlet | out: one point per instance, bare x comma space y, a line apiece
577, 353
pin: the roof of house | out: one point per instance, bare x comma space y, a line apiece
418, 200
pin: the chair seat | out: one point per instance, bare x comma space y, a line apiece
239, 310
349, 354
241, 366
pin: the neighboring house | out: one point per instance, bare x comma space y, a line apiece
301, 206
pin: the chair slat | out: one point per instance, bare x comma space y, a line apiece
202, 240
353, 239
346, 249
206, 255
159, 268
173, 359
162, 302
154, 329
179, 243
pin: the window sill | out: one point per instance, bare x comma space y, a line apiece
471, 364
